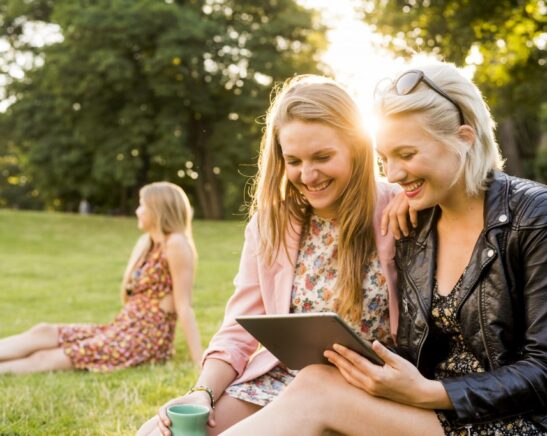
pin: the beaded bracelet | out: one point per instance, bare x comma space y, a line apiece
202, 388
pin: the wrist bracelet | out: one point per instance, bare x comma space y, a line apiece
202, 388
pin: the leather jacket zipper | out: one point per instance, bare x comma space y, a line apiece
481, 314
483, 335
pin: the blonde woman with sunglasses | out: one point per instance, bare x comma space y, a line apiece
156, 291
472, 339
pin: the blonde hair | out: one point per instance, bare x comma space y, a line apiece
172, 213
278, 203
439, 118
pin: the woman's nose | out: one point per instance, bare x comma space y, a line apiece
394, 172
307, 173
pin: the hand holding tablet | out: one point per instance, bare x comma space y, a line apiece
299, 339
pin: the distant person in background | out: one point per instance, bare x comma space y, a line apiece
156, 290
313, 244
84, 208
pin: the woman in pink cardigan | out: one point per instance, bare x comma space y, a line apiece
313, 244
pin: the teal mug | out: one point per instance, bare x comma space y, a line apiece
188, 419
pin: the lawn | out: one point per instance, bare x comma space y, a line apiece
67, 268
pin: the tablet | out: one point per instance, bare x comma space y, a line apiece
299, 339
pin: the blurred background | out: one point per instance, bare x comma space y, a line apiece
99, 97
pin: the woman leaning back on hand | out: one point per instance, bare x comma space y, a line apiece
156, 292
313, 244
472, 336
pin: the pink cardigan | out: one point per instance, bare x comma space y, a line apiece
267, 289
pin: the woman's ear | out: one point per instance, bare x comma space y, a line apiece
467, 134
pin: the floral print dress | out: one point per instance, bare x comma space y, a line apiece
461, 361
312, 291
141, 332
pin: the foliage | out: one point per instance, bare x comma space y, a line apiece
144, 90
503, 39
16, 188
67, 268
540, 166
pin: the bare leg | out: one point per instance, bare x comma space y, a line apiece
40, 337
53, 359
320, 401
228, 412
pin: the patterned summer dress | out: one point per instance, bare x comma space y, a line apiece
141, 332
312, 291
461, 361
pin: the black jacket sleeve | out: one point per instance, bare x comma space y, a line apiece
521, 387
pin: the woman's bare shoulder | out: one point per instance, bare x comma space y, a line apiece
178, 245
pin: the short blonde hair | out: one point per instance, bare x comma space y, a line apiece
439, 118
317, 99
172, 213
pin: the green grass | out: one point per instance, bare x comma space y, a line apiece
67, 268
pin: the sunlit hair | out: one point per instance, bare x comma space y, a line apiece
171, 211
279, 204
439, 118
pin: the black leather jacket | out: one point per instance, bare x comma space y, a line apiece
503, 310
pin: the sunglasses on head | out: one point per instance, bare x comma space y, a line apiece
409, 81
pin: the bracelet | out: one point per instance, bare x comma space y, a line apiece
202, 388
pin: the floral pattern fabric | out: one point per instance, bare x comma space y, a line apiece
141, 332
461, 361
313, 291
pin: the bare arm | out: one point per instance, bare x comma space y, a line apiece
216, 375
181, 260
231, 347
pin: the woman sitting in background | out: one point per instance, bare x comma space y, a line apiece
472, 336
156, 290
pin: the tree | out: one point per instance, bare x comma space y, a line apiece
16, 187
145, 90
504, 39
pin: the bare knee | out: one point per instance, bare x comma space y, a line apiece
314, 379
311, 388
44, 329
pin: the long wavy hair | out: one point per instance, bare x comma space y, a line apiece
280, 205
171, 212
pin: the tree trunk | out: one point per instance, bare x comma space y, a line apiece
509, 147
123, 202
142, 173
208, 191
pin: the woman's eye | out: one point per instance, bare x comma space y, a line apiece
323, 158
406, 156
